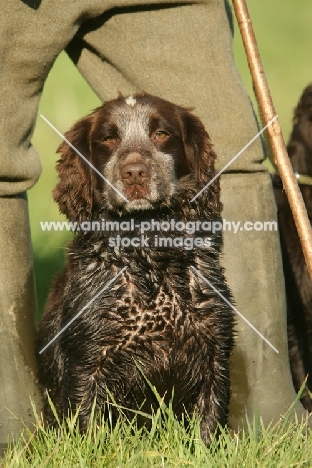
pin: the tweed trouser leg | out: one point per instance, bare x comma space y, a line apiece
17, 309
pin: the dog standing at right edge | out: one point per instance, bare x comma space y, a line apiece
297, 281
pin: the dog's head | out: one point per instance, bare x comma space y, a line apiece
140, 151
300, 144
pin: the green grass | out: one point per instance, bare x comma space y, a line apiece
167, 444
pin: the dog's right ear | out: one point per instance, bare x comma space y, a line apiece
77, 190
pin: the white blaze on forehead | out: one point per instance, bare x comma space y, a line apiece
130, 101
132, 122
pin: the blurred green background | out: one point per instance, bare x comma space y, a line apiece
283, 30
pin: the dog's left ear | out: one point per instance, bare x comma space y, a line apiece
198, 147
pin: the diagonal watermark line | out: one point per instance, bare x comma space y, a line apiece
83, 157
234, 308
83, 309
235, 157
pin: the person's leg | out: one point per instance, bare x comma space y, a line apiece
31, 37
17, 307
183, 53
261, 378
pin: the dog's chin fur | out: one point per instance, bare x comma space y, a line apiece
139, 205
133, 206
157, 324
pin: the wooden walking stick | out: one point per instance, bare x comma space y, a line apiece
276, 140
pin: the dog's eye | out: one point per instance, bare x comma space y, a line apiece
110, 140
161, 135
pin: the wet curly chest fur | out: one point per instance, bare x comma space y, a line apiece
148, 332
157, 319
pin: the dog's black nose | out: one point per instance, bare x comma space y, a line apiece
134, 173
